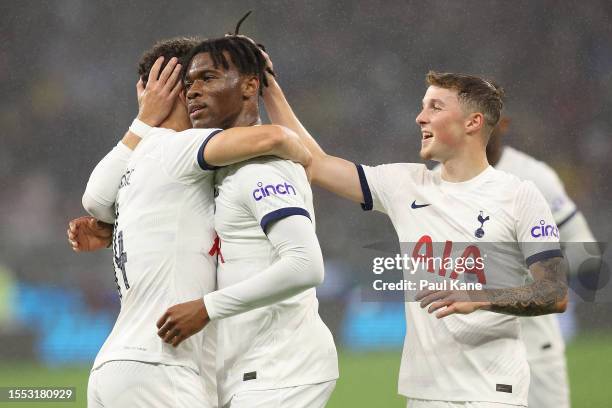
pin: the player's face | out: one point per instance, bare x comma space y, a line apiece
214, 95
442, 122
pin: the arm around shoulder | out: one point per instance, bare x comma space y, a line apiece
243, 143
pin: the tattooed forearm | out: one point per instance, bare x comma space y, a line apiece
547, 294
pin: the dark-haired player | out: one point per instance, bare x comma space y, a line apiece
274, 350
160, 198
471, 357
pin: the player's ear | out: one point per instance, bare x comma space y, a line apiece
474, 122
250, 87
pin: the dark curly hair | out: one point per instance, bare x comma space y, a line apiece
179, 47
245, 55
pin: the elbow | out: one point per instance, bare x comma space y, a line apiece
97, 210
561, 306
273, 140
319, 275
317, 271
88, 204
312, 272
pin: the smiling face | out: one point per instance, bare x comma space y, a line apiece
442, 121
215, 95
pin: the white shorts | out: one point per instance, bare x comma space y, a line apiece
303, 396
419, 403
136, 384
549, 386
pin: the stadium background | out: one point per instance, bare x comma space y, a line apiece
354, 72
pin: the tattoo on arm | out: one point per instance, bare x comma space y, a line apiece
543, 296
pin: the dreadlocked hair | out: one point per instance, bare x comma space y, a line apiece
179, 47
245, 55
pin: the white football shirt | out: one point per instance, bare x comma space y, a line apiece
285, 344
163, 234
475, 357
542, 334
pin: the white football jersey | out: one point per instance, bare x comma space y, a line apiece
507, 224
163, 234
285, 344
542, 334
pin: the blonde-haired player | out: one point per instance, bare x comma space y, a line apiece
472, 357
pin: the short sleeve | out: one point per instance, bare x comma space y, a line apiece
183, 154
536, 231
274, 190
379, 184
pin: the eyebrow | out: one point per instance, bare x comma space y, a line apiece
434, 101
199, 72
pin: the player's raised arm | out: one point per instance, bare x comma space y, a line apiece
332, 173
155, 101
243, 143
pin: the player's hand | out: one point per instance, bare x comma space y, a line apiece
157, 98
264, 53
182, 321
88, 234
449, 302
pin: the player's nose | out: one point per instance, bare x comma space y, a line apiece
193, 91
421, 118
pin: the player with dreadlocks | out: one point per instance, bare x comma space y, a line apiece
273, 347
160, 198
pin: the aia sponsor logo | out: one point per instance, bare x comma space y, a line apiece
469, 262
544, 230
262, 191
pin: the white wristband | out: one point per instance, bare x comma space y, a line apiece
140, 129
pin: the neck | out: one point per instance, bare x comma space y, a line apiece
464, 166
249, 116
494, 149
178, 120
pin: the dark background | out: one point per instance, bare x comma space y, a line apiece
354, 72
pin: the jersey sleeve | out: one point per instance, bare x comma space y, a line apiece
551, 186
379, 184
274, 190
536, 231
183, 154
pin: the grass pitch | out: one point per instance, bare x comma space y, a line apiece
366, 379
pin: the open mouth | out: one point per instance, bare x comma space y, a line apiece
427, 135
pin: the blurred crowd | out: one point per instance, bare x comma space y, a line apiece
353, 71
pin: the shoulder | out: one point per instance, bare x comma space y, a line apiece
266, 164
416, 172
267, 169
527, 196
158, 131
198, 132
505, 178
527, 167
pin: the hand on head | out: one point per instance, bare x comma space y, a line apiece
156, 99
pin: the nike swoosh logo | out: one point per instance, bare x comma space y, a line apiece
414, 205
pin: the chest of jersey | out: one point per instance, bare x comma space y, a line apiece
470, 236
470, 216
